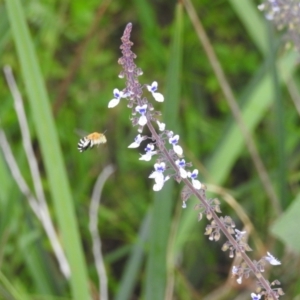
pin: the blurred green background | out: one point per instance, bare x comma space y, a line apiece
66, 69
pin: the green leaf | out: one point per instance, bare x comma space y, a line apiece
284, 227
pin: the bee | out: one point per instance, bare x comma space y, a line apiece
90, 141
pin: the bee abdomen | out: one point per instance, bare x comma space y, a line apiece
84, 144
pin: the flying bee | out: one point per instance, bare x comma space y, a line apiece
90, 141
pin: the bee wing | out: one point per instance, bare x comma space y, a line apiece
81, 132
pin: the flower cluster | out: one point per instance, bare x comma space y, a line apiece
144, 114
285, 14
243, 270
170, 163
165, 137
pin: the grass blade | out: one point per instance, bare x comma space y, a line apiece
52, 156
135, 261
163, 201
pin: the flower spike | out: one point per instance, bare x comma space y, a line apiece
169, 163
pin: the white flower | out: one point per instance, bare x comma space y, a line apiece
142, 111
272, 260
149, 153
183, 204
159, 185
146, 157
261, 7
152, 89
118, 95
161, 126
235, 270
158, 176
158, 173
181, 165
174, 140
170, 134
137, 141
239, 234
255, 297
269, 16
196, 183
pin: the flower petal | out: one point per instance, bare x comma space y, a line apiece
158, 97
170, 134
173, 139
234, 270
149, 147
160, 167
177, 149
142, 120
159, 178
157, 187
196, 184
194, 173
161, 126
139, 108
146, 157
113, 103
255, 297
183, 173
137, 141
272, 260
261, 7
153, 174
134, 145
118, 94
153, 87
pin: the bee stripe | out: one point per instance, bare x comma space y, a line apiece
84, 144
